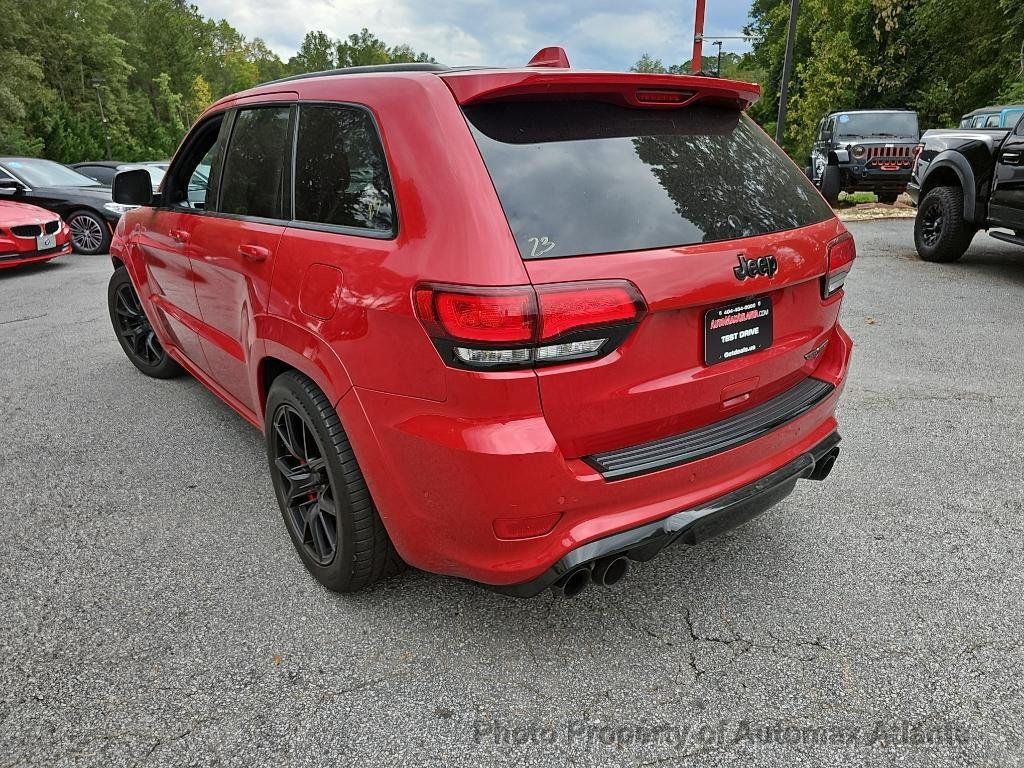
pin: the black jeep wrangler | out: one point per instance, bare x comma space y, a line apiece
864, 150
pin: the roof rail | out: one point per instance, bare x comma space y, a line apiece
415, 66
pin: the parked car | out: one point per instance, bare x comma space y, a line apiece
29, 234
86, 206
993, 117
864, 150
103, 171
516, 326
964, 181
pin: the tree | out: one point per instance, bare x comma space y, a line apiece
316, 54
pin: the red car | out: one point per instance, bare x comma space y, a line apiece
516, 326
29, 234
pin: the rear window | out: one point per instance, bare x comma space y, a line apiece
578, 178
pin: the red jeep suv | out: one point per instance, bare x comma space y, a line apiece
516, 326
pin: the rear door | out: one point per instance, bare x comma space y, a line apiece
233, 250
1006, 208
723, 235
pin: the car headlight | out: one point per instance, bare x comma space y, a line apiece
118, 208
859, 151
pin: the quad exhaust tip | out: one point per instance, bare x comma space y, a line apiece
606, 572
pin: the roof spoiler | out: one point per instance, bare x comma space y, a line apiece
624, 88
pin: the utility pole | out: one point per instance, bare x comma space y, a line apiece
96, 83
718, 72
697, 63
787, 71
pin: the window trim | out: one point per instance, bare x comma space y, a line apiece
372, 234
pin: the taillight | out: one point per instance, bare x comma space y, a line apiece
528, 325
839, 260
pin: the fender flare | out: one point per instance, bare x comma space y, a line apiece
837, 156
304, 351
962, 168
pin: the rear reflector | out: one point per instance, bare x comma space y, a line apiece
525, 527
528, 325
841, 253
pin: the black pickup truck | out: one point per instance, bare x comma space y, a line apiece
965, 180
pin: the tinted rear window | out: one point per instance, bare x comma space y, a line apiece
579, 178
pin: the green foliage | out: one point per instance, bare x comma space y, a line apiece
153, 65
940, 57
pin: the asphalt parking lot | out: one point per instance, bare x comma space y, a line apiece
152, 610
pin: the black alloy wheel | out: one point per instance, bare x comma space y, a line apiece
326, 505
134, 331
301, 477
932, 221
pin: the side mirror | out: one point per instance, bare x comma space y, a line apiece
133, 187
11, 185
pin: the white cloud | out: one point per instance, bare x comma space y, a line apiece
595, 33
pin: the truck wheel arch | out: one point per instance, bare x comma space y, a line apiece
950, 168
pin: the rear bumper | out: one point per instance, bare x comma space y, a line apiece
690, 525
441, 476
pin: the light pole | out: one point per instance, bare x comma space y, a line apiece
787, 71
718, 71
697, 62
96, 83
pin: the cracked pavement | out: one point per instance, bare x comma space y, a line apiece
152, 611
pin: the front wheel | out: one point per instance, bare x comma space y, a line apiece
133, 329
324, 500
89, 232
941, 233
831, 184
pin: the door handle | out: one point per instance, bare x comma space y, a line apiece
254, 252
1011, 158
181, 235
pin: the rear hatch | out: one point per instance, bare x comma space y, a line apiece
687, 199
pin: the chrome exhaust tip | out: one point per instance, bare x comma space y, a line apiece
611, 570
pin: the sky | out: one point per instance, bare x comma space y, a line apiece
596, 34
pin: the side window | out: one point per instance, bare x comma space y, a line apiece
341, 175
830, 129
993, 121
255, 179
1018, 118
191, 183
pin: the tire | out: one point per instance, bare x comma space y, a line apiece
361, 552
133, 330
831, 184
941, 234
887, 198
89, 232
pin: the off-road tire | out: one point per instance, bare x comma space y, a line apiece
941, 234
363, 552
831, 184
